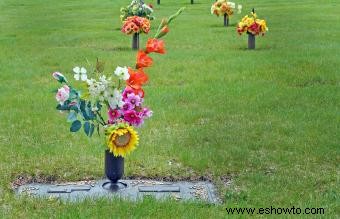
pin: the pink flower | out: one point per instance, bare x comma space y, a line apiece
132, 117
127, 90
63, 94
127, 106
146, 113
134, 100
113, 115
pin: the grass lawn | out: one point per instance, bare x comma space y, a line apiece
268, 119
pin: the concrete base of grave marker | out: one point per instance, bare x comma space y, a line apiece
132, 190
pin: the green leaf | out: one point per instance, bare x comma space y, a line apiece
89, 113
88, 128
83, 109
75, 108
63, 107
75, 126
73, 94
72, 116
91, 129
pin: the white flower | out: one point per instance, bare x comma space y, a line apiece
115, 99
239, 8
147, 8
122, 73
231, 4
96, 89
80, 73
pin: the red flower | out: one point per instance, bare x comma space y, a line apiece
254, 28
154, 45
143, 60
137, 79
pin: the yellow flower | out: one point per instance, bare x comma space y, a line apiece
122, 139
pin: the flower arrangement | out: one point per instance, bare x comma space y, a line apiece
137, 8
111, 102
252, 25
136, 24
222, 7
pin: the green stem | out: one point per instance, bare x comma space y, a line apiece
100, 116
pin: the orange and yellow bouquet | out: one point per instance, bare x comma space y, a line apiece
222, 7
136, 24
252, 25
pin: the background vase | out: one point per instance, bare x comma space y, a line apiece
251, 41
226, 20
135, 41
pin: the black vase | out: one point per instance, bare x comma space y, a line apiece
114, 171
135, 41
226, 20
114, 167
251, 41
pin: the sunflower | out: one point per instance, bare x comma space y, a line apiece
121, 139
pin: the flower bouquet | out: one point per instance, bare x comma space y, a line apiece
136, 19
225, 8
253, 27
137, 8
112, 103
136, 25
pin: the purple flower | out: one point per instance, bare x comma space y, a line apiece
134, 99
127, 106
146, 112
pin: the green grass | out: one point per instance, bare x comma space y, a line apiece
267, 118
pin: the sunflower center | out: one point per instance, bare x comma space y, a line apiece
123, 140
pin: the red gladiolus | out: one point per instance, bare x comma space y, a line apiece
137, 79
154, 45
143, 60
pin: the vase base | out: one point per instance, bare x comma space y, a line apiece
114, 187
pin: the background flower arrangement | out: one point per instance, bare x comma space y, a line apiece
224, 8
111, 102
137, 8
252, 25
136, 19
136, 24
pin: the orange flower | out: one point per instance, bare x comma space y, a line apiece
165, 29
154, 45
143, 60
137, 79
163, 32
